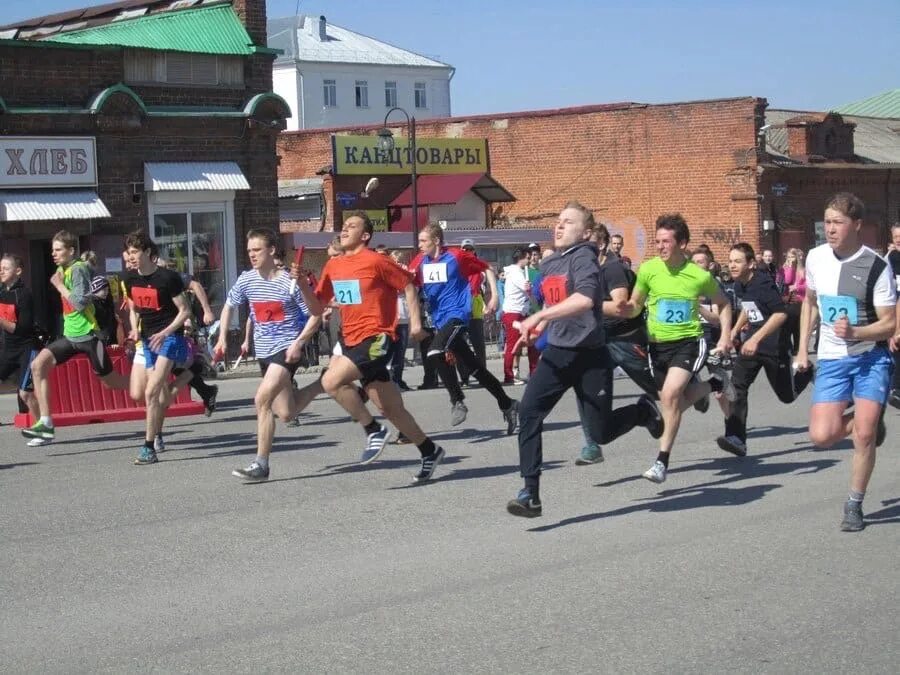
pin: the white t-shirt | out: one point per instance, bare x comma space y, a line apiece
852, 287
515, 299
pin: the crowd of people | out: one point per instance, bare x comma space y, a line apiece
577, 311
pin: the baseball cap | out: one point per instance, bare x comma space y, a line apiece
467, 242
533, 247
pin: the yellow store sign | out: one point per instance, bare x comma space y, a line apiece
360, 155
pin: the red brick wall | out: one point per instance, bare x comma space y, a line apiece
253, 15
629, 163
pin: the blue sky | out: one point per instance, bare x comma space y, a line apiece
514, 55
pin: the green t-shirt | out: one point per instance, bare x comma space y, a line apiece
78, 323
673, 297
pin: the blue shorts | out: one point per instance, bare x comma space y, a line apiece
866, 376
174, 348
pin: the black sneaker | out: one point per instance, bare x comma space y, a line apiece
511, 415
525, 505
702, 405
655, 424
209, 402
853, 517
429, 464
254, 473
732, 444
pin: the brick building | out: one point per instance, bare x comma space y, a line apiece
721, 163
169, 122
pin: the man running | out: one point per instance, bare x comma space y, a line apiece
157, 298
670, 286
574, 358
763, 346
279, 313
444, 275
73, 282
19, 343
850, 293
365, 286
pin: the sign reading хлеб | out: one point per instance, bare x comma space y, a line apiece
47, 162
361, 155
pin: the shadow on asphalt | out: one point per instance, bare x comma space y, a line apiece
476, 472
765, 432
886, 516
17, 465
689, 498
484, 435
355, 467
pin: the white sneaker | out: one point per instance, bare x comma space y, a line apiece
656, 473
36, 442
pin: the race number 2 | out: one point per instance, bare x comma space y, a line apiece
269, 311
347, 292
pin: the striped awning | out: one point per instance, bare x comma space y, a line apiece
182, 176
51, 205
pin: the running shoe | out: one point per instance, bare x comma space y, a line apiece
525, 505
147, 456
655, 424
37, 442
853, 517
514, 381
159, 444
511, 415
732, 444
39, 430
253, 473
429, 464
702, 405
717, 361
656, 473
209, 402
294, 422
458, 413
590, 454
728, 390
374, 445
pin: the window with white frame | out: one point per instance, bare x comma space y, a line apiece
362, 94
390, 94
421, 99
143, 66
329, 93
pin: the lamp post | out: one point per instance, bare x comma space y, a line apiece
386, 144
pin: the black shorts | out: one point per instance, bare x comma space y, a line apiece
64, 349
443, 338
689, 355
372, 357
16, 366
280, 359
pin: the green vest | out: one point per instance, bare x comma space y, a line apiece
76, 323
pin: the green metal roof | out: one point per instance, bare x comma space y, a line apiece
205, 30
886, 104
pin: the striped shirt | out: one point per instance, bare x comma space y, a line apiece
278, 316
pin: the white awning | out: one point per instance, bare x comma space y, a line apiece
182, 176
51, 205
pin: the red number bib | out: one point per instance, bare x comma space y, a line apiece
269, 311
8, 312
554, 289
145, 298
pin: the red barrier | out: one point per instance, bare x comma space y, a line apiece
77, 396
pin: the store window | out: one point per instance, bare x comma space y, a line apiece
192, 240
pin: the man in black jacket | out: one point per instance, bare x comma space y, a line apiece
19, 343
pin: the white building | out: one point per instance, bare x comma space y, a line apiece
333, 77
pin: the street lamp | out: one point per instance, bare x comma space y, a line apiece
386, 144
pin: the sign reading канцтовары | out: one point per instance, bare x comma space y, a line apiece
361, 155
47, 162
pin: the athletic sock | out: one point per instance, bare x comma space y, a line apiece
46, 421
262, 461
372, 427
664, 458
427, 447
856, 496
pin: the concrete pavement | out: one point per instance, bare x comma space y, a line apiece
731, 565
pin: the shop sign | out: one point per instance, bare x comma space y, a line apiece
360, 155
779, 189
47, 162
346, 199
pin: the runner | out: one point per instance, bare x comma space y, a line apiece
444, 275
365, 285
73, 281
159, 308
764, 345
19, 343
574, 358
626, 345
281, 327
850, 293
671, 285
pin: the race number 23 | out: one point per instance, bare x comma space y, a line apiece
673, 311
835, 307
347, 292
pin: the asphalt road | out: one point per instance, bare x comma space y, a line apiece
732, 565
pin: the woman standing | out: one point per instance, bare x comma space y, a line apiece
791, 280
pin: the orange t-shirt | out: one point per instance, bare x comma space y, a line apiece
365, 285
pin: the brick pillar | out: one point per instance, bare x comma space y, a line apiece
252, 14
